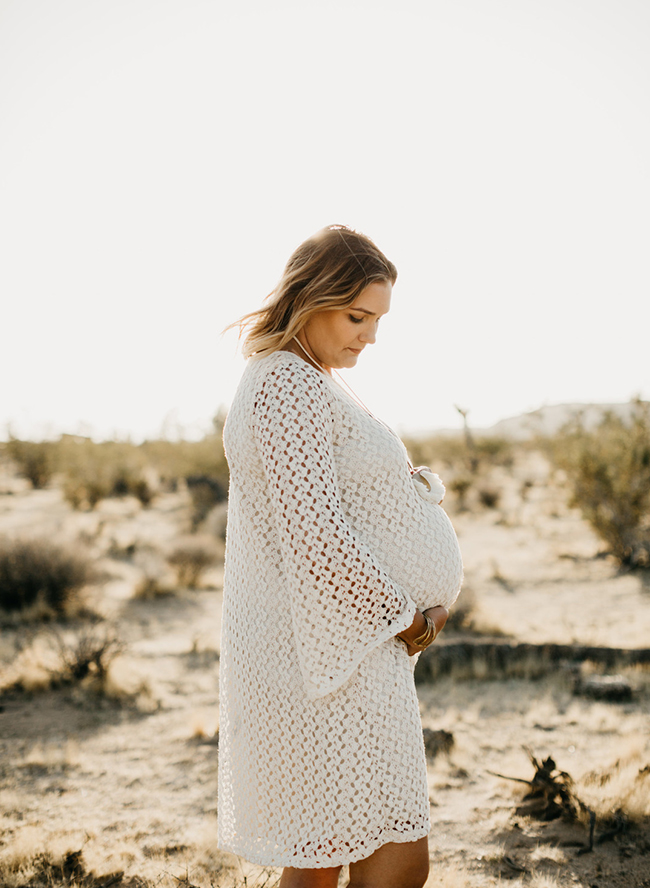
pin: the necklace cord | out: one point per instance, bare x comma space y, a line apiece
354, 395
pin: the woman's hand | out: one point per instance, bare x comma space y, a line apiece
438, 614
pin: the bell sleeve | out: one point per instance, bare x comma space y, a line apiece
343, 604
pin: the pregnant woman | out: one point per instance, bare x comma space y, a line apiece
340, 567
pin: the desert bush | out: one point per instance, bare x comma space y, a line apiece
623, 787
148, 588
91, 471
201, 465
473, 455
191, 559
177, 460
205, 493
461, 486
24, 862
35, 460
608, 471
52, 659
489, 497
89, 653
94, 471
130, 481
33, 571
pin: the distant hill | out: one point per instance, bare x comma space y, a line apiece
549, 419
546, 420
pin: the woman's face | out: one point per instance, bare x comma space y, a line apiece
336, 337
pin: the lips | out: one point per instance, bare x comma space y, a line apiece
356, 351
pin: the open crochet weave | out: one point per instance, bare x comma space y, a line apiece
329, 551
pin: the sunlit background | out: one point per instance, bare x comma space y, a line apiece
160, 160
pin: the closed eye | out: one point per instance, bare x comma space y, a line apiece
355, 320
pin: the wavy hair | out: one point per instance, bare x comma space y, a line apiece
327, 271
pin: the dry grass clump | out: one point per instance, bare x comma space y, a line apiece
88, 654
30, 861
608, 471
471, 454
548, 853
90, 471
461, 486
41, 575
607, 800
93, 472
622, 788
489, 497
33, 861
35, 460
53, 659
205, 492
191, 558
150, 587
176, 461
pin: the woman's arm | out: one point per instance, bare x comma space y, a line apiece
438, 614
343, 604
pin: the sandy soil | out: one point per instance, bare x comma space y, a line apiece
129, 776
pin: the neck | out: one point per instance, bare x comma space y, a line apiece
310, 357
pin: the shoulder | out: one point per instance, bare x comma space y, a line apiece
283, 372
286, 381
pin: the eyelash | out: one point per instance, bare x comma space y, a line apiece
355, 320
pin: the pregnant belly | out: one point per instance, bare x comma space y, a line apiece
425, 555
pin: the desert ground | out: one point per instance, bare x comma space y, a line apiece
111, 779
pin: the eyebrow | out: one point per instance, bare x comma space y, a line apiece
364, 310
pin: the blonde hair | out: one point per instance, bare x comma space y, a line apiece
327, 271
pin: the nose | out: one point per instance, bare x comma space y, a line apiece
369, 335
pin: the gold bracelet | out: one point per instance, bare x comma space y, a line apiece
428, 636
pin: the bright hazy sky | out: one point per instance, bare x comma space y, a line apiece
160, 160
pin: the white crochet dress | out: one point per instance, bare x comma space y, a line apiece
329, 549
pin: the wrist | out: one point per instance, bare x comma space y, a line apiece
416, 628
428, 636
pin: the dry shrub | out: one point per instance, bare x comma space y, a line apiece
94, 471
31, 860
609, 474
622, 788
91, 471
40, 573
548, 854
461, 486
489, 497
177, 461
35, 460
53, 659
480, 452
205, 493
191, 558
88, 654
150, 587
